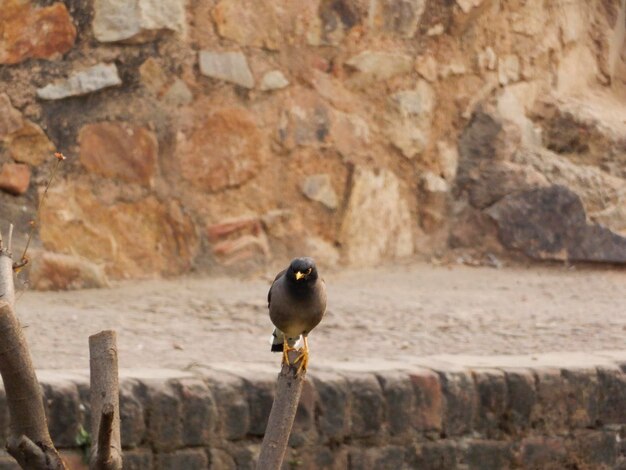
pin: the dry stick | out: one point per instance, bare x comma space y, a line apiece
106, 451
34, 223
30, 442
288, 389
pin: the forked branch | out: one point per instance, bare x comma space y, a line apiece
106, 452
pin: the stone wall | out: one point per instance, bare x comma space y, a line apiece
213, 134
540, 412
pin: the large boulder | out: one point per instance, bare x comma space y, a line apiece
550, 223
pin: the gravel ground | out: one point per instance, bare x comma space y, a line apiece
387, 312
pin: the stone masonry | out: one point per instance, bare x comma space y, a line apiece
357, 131
551, 411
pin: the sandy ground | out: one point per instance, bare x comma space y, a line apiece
386, 312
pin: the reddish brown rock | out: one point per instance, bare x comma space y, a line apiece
54, 271
251, 224
225, 151
131, 239
24, 140
119, 150
237, 240
14, 178
38, 33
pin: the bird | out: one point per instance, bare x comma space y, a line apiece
297, 303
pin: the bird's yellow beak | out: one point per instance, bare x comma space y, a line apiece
299, 275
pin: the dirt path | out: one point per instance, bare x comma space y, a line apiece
398, 310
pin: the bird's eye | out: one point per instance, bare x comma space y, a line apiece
308, 271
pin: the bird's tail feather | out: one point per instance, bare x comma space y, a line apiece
277, 339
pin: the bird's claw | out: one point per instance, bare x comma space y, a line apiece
303, 358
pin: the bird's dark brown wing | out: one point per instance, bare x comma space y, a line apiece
269, 293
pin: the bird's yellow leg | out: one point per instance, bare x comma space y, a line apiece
303, 358
286, 349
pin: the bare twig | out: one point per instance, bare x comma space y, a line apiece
35, 222
106, 451
30, 443
288, 390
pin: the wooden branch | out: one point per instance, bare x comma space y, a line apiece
106, 450
30, 443
276, 438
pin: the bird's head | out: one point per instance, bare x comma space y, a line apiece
302, 270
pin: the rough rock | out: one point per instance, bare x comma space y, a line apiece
228, 66
433, 208
329, 24
305, 122
498, 179
24, 140
10, 118
372, 66
119, 150
130, 239
152, 75
178, 94
29, 144
308, 121
550, 223
238, 239
402, 17
137, 20
377, 222
38, 33
223, 151
273, 80
55, 271
426, 66
319, 188
349, 133
86, 81
248, 23
588, 130
410, 122
14, 178
486, 147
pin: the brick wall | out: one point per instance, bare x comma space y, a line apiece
542, 412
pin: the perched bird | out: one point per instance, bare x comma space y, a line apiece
297, 303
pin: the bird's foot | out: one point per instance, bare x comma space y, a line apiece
303, 359
286, 350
